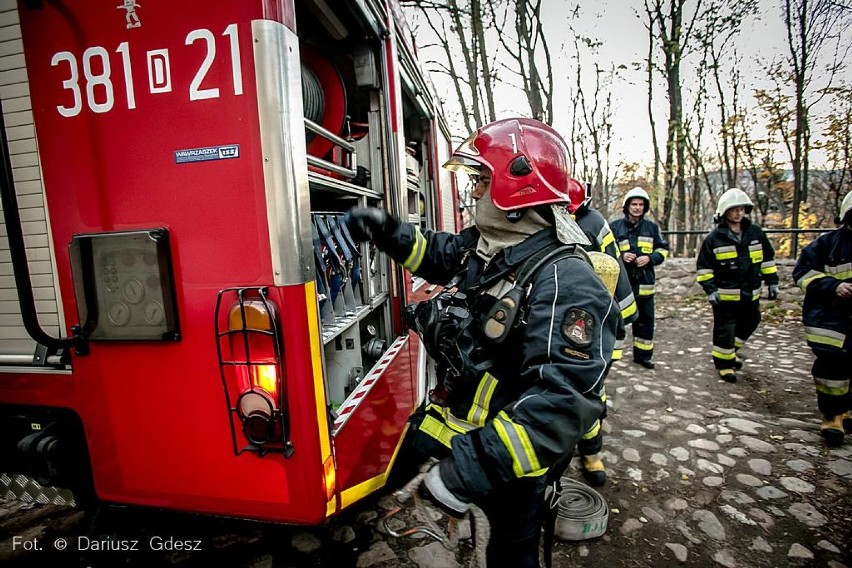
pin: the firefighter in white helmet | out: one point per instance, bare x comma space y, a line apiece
733, 260
822, 271
642, 248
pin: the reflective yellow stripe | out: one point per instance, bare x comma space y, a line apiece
831, 388
623, 245
438, 430
825, 336
809, 277
723, 354
756, 257
729, 294
643, 344
646, 289
316, 366
452, 422
608, 239
593, 431
629, 310
663, 252
768, 269
704, 276
482, 400
518, 444
726, 255
418, 252
358, 492
617, 354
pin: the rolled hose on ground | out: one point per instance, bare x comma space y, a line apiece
582, 512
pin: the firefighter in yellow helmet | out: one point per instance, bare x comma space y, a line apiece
733, 260
823, 272
642, 248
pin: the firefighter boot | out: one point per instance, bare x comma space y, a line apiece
594, 470
847, 423
728, 375
831, 431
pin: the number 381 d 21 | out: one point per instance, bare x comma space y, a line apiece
96, 88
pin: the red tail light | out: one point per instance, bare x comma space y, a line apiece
250, 356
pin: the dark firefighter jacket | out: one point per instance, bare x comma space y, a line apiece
820, 269
542, 391
602, 239
642, 238
735, 268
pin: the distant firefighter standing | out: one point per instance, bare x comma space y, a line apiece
733, 260
641, 248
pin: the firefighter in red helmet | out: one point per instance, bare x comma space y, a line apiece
521, 337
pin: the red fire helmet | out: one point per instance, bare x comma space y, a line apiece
580, 194
528, 161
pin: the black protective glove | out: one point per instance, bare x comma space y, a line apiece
438, 489
714, 299
772, 293
369, 223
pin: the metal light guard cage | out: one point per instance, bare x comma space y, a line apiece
230, 365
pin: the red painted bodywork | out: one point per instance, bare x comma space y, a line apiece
155, 415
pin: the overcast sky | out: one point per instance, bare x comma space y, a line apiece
624, 41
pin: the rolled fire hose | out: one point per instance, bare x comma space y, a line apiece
582, 512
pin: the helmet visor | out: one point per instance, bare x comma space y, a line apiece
461, 164
464, 158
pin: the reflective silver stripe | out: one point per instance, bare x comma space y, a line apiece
643, 344
718, 250
646, 289
457, 423
625, 303
729, 294
518, 444
482, 400
623, 245
603, 233
725, 351
825, 336
832, 388
738, 342
755, 247
839, 268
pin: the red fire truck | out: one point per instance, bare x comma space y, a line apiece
185, 322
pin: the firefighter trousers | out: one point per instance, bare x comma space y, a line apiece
733, 324
832, 372
643, 329
515, 510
